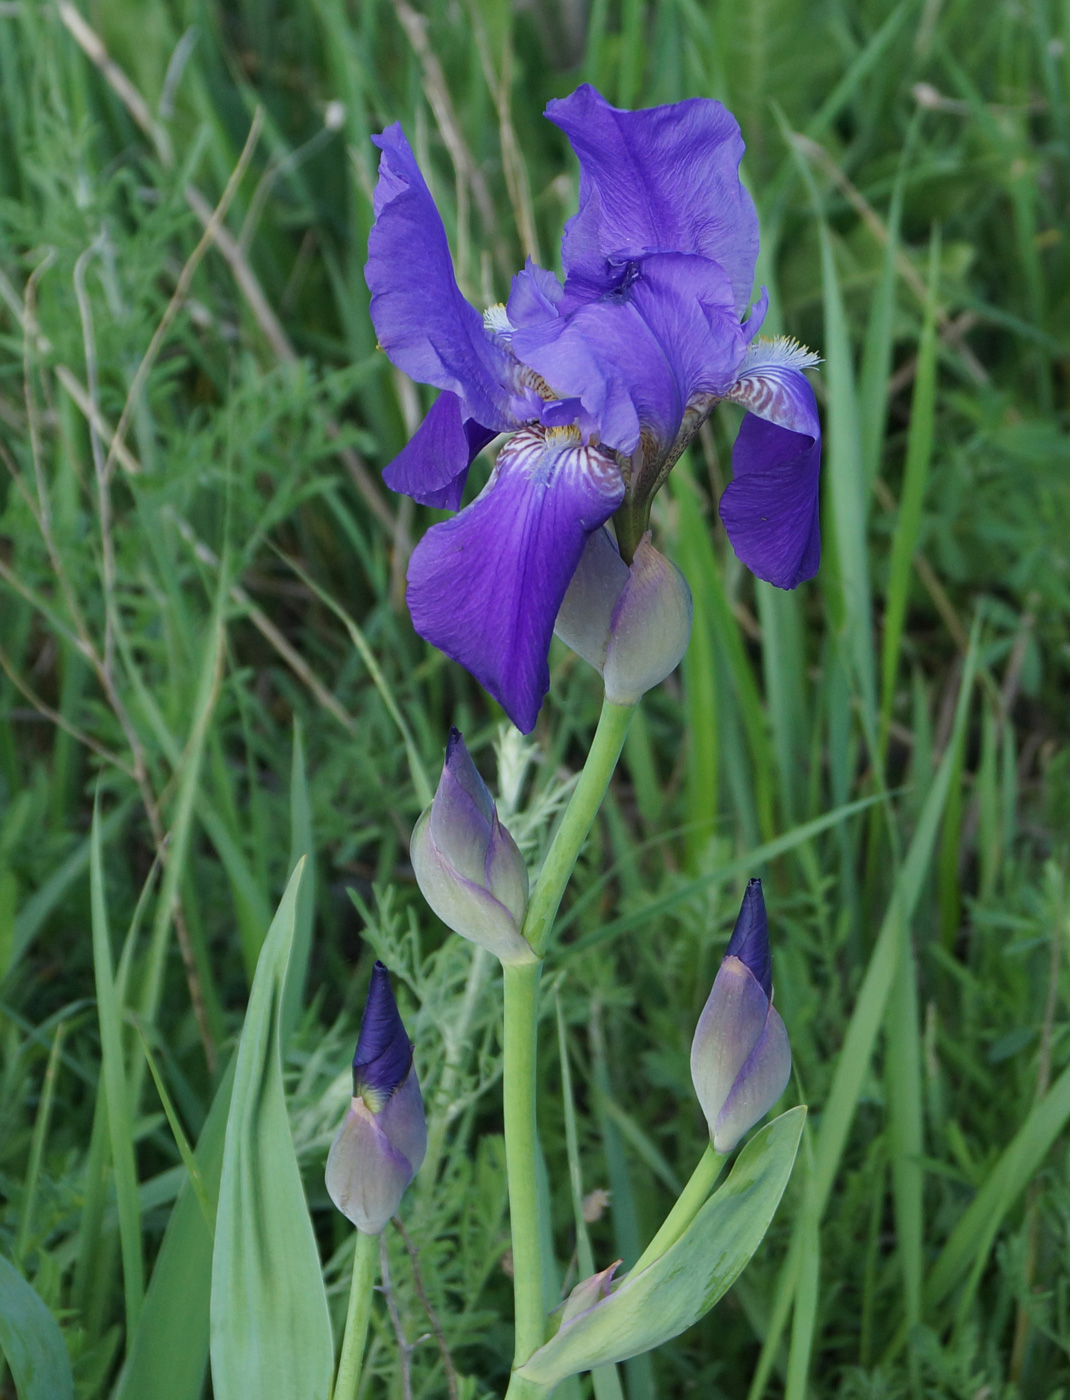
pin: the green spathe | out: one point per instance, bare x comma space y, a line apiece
684, 1283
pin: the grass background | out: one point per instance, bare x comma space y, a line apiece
201, 620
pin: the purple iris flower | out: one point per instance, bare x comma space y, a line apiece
602, 382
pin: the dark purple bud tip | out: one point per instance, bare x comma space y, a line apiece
384, 1051
750, 937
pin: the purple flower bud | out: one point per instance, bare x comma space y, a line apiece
740, 1058
631, 623
379, 1147
467, 865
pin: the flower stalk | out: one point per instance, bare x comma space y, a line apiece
691, 1198
579, 816
361, 1288
521, 1155
520, 1031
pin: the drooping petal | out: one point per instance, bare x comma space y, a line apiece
758, 1085
750, 937
384, 1052
423, 322
772, 385
637, 356
486, 586
366, 1176
771, 507
729, 1028
664, 179
433, 466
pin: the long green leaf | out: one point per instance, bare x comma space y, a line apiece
270, 1328
31, 1341
688, 1279
168, 1359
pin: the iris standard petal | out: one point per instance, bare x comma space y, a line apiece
661, 179
750, 937
759, 1084
384, 1052
635, 357
423, 322
486, 586
432, 467
534, 296
771, 507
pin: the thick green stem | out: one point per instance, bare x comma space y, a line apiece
691, 1198
521, 1155
521, 1014
365, 1260
579, 815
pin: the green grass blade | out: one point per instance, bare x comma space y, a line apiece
301, 848
116, 1090
915, 477
271, 1331
852, 1063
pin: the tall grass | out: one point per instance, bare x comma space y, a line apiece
203, 638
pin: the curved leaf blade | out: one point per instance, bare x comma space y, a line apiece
689, 1278
31, 1340
270, 1328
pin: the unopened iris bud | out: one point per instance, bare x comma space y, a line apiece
740, 1058
467, 865
633, 623
379, 1147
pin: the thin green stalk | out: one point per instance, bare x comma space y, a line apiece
579, 815
365, 1260
686, 1208
521, 1155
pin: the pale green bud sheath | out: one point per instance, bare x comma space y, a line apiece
631, 622
466, 863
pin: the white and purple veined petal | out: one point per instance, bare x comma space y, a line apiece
740, 1057
664, 179
486, 586
423, 322
383, 1138
771, 507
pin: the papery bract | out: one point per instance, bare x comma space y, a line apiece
467, 865
740, 1057
382, 1141
631, 622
